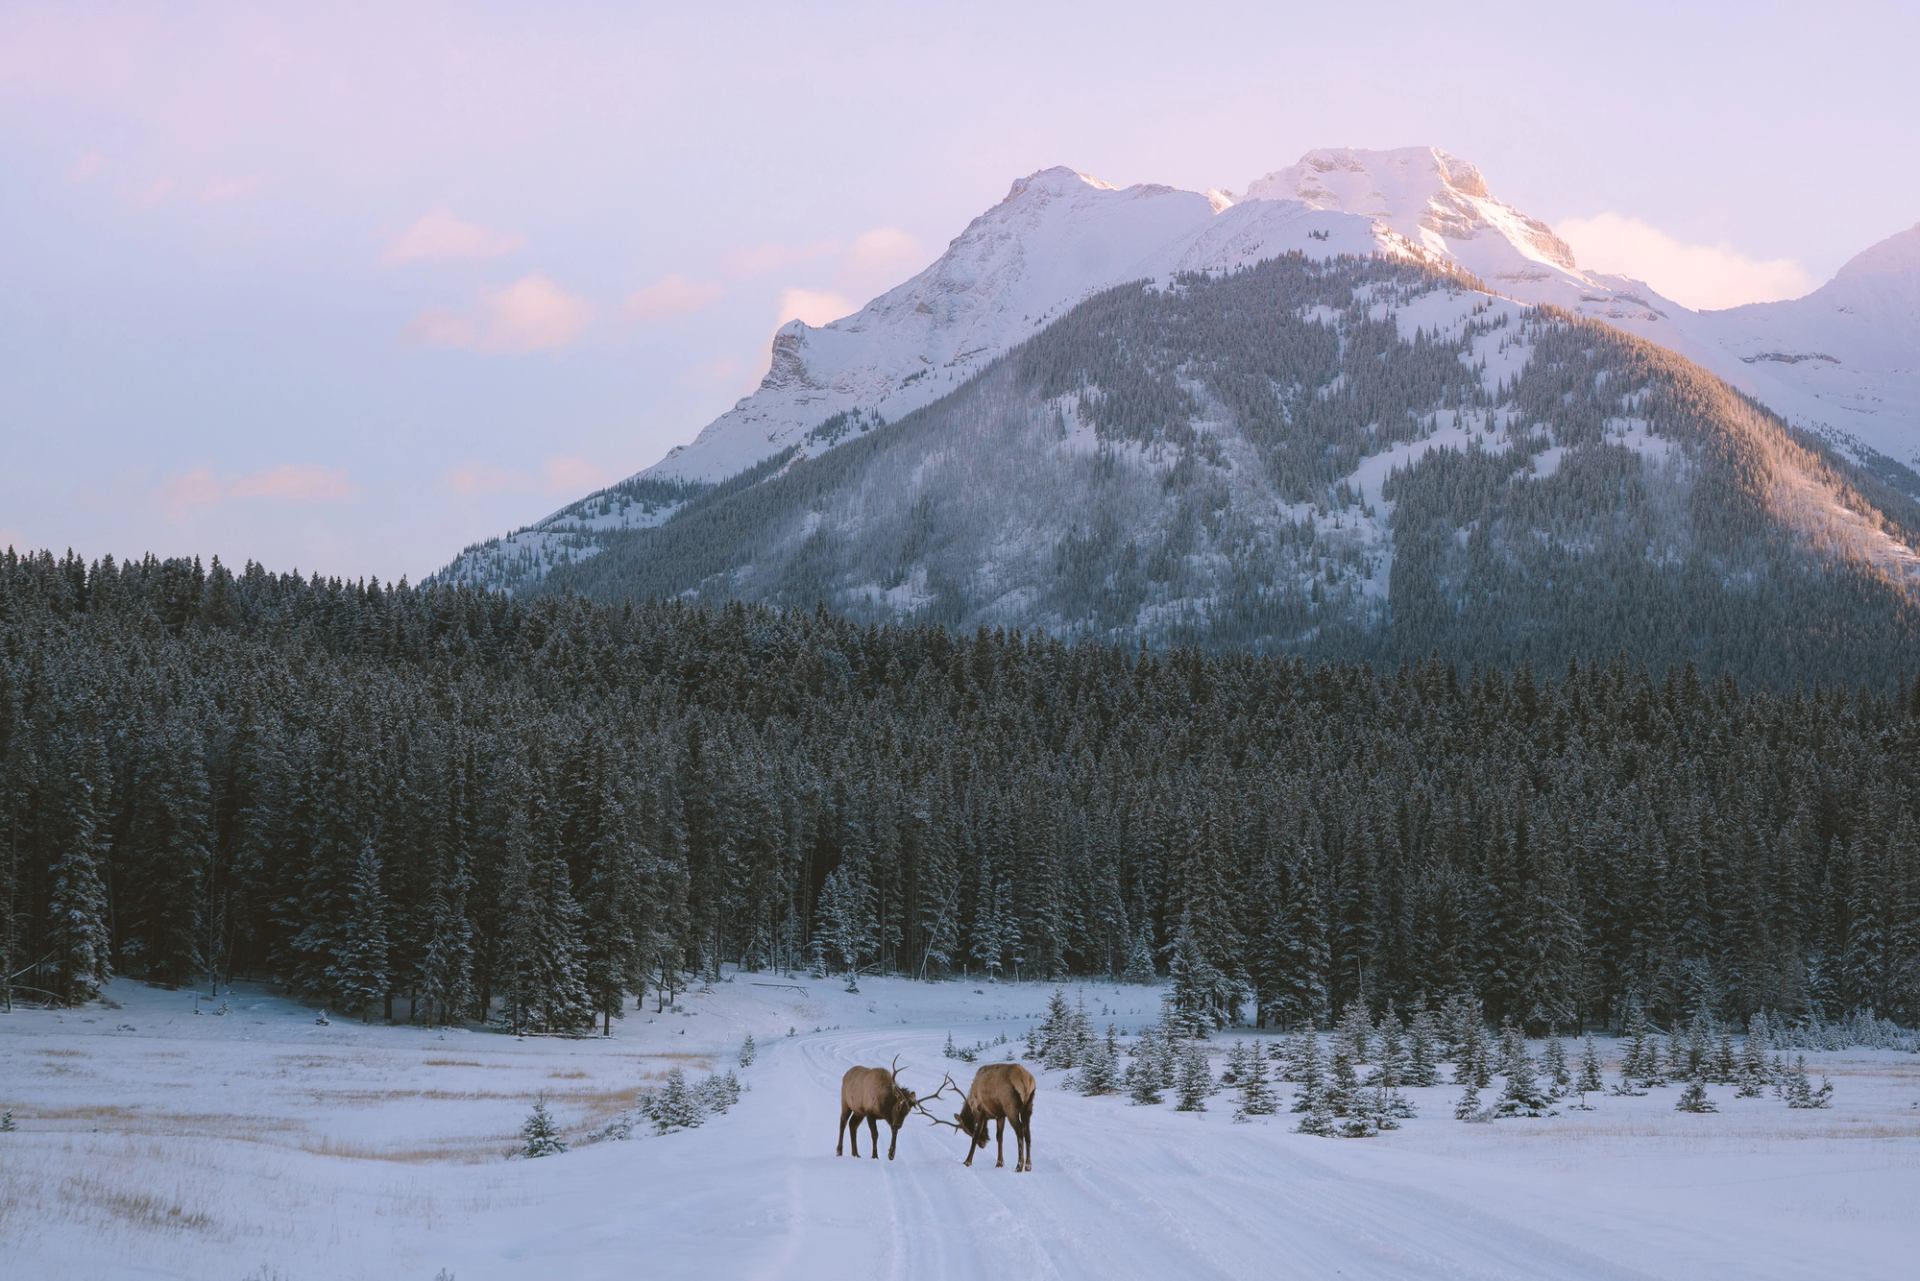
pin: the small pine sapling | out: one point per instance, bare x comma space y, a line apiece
1256, 1096
539, 1136
1522, 1095
1468, 1107
1694, 1097
1356, 1031
1726, 1067
1553, 1061
1343, 1083
747, 1050
1196, 1080
1310, 1074
1422, 1052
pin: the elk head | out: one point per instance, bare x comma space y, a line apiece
972, 1124
902, 1101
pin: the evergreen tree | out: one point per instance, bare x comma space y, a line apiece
358, 976
1468, 1107
1554, 1064
1522, 1095
540, 1136
1256, 1095
1309, 1073
77, 936
1589, 1081
1196, 1079
1694, 1098
748, 1052
1423, 1066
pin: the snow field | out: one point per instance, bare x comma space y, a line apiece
260, 1144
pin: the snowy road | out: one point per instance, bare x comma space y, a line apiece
1116, 1191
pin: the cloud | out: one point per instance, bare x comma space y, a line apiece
86, 166
1699, 276
566, 474
189, 491
439, 235
531, 314
813, 306
12, 538
673, 295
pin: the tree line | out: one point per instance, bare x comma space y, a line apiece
444, 804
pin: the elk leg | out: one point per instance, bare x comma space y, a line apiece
1000, 1142
853, 1134
873, 1132
840, 1135
893, 1139
970, 1146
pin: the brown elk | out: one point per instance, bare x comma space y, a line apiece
874, 1095
1001, 1092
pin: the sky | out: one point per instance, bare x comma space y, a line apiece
345, 288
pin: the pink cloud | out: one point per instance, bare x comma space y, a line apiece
883, 255
673, 295
439, 235
296, 483
479, 479
531, 314
190, 491
565, 474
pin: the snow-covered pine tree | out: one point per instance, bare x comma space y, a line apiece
76, 935
1553, 1060
748, 1050
1099, 1068
1256, 1095
1356, 1031
1513, 1048
1589, 1081
1140, 959
1236, 1063
675, 1106
1522, 1095
846, 917
1188, 1007
539, 1136
1394, 1063
1343, 1082
1754, 1073
1423, 1051
1468, 1107
358, 975
1196, 1079
1143, 1080
6, 1122
1726, 1064
1694, 1097
1640, 1062
1310, 1073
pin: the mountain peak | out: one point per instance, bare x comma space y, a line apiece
1435, 199
1059, 180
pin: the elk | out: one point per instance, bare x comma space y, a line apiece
1001, 1092
874, 1095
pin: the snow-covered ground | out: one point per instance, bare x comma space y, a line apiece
154, 1142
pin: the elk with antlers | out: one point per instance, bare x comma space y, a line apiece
1001, 1092
874, 1095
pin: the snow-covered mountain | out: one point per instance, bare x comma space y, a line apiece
1840, 362
1849, 351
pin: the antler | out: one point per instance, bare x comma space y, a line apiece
920, 1106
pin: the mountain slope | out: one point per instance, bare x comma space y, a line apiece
1059, 236
1354, 456
1851, 347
